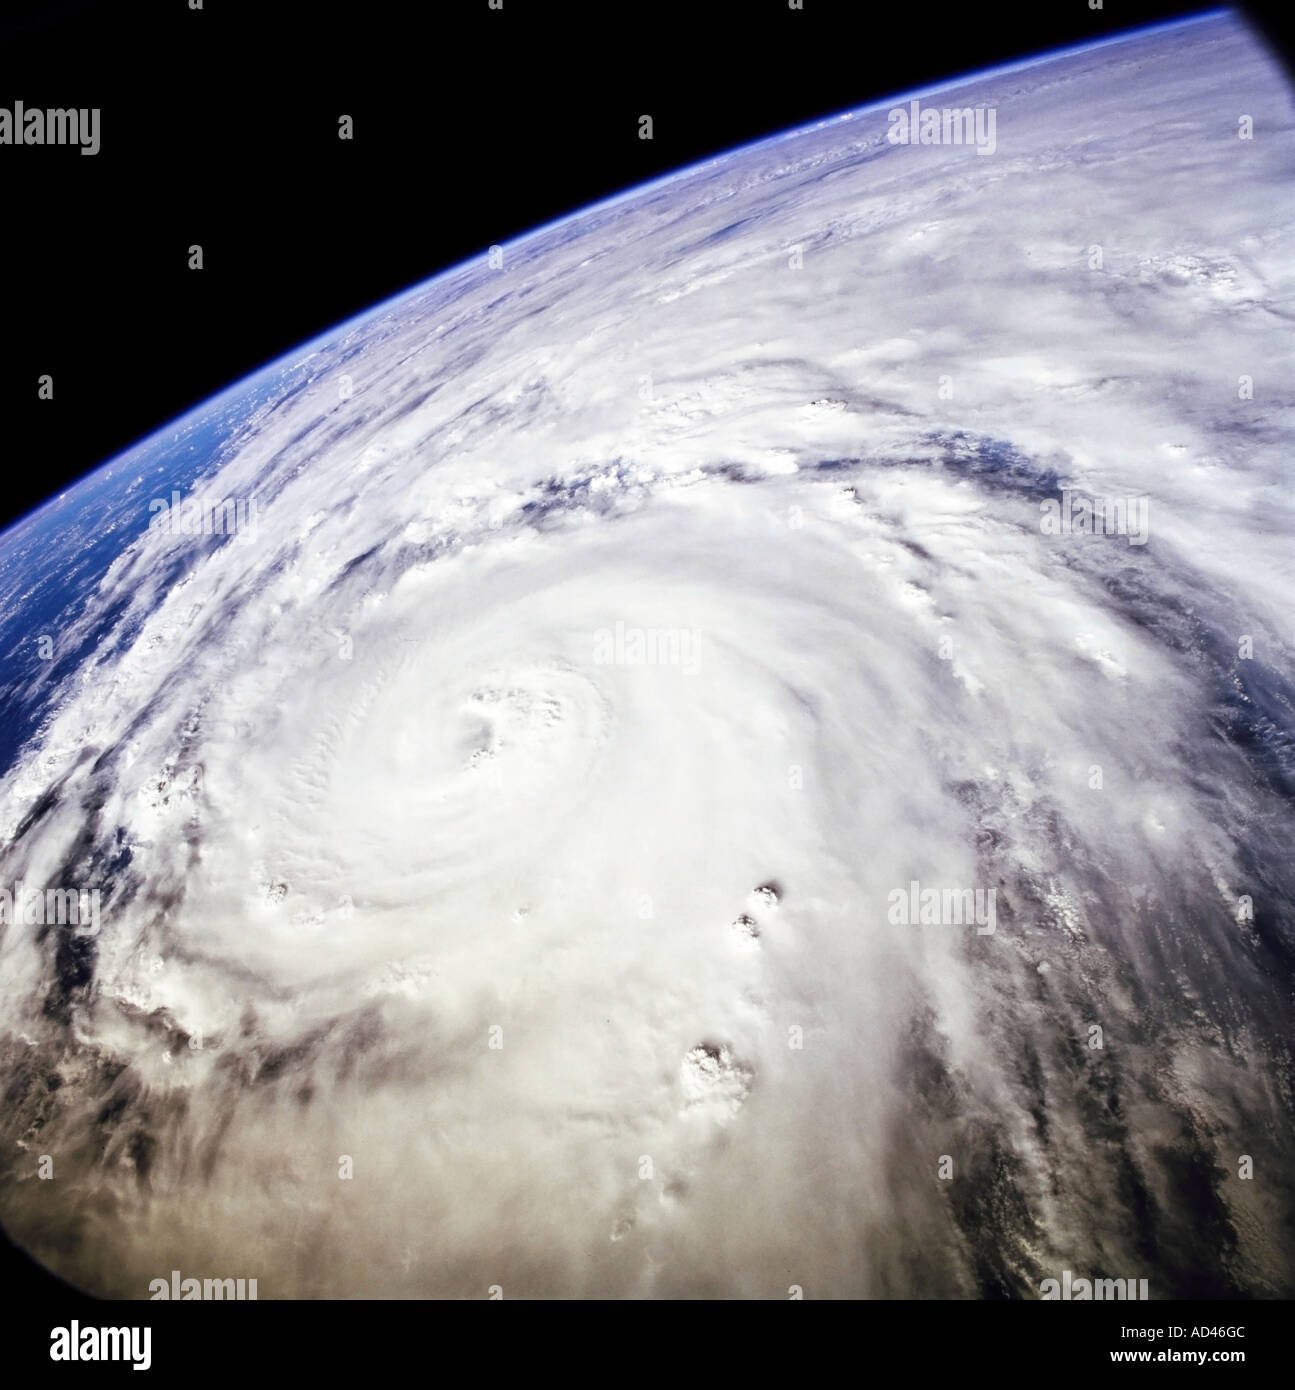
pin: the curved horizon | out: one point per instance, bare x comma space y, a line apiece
311, 345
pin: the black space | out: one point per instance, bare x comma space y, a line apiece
219, 127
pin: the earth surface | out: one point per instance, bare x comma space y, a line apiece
504, 838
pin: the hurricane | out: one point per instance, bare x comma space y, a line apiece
742, 741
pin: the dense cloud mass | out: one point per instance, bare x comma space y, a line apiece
505, 838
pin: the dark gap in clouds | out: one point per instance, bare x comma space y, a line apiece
995, 464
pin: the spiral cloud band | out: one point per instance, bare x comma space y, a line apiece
659, 803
